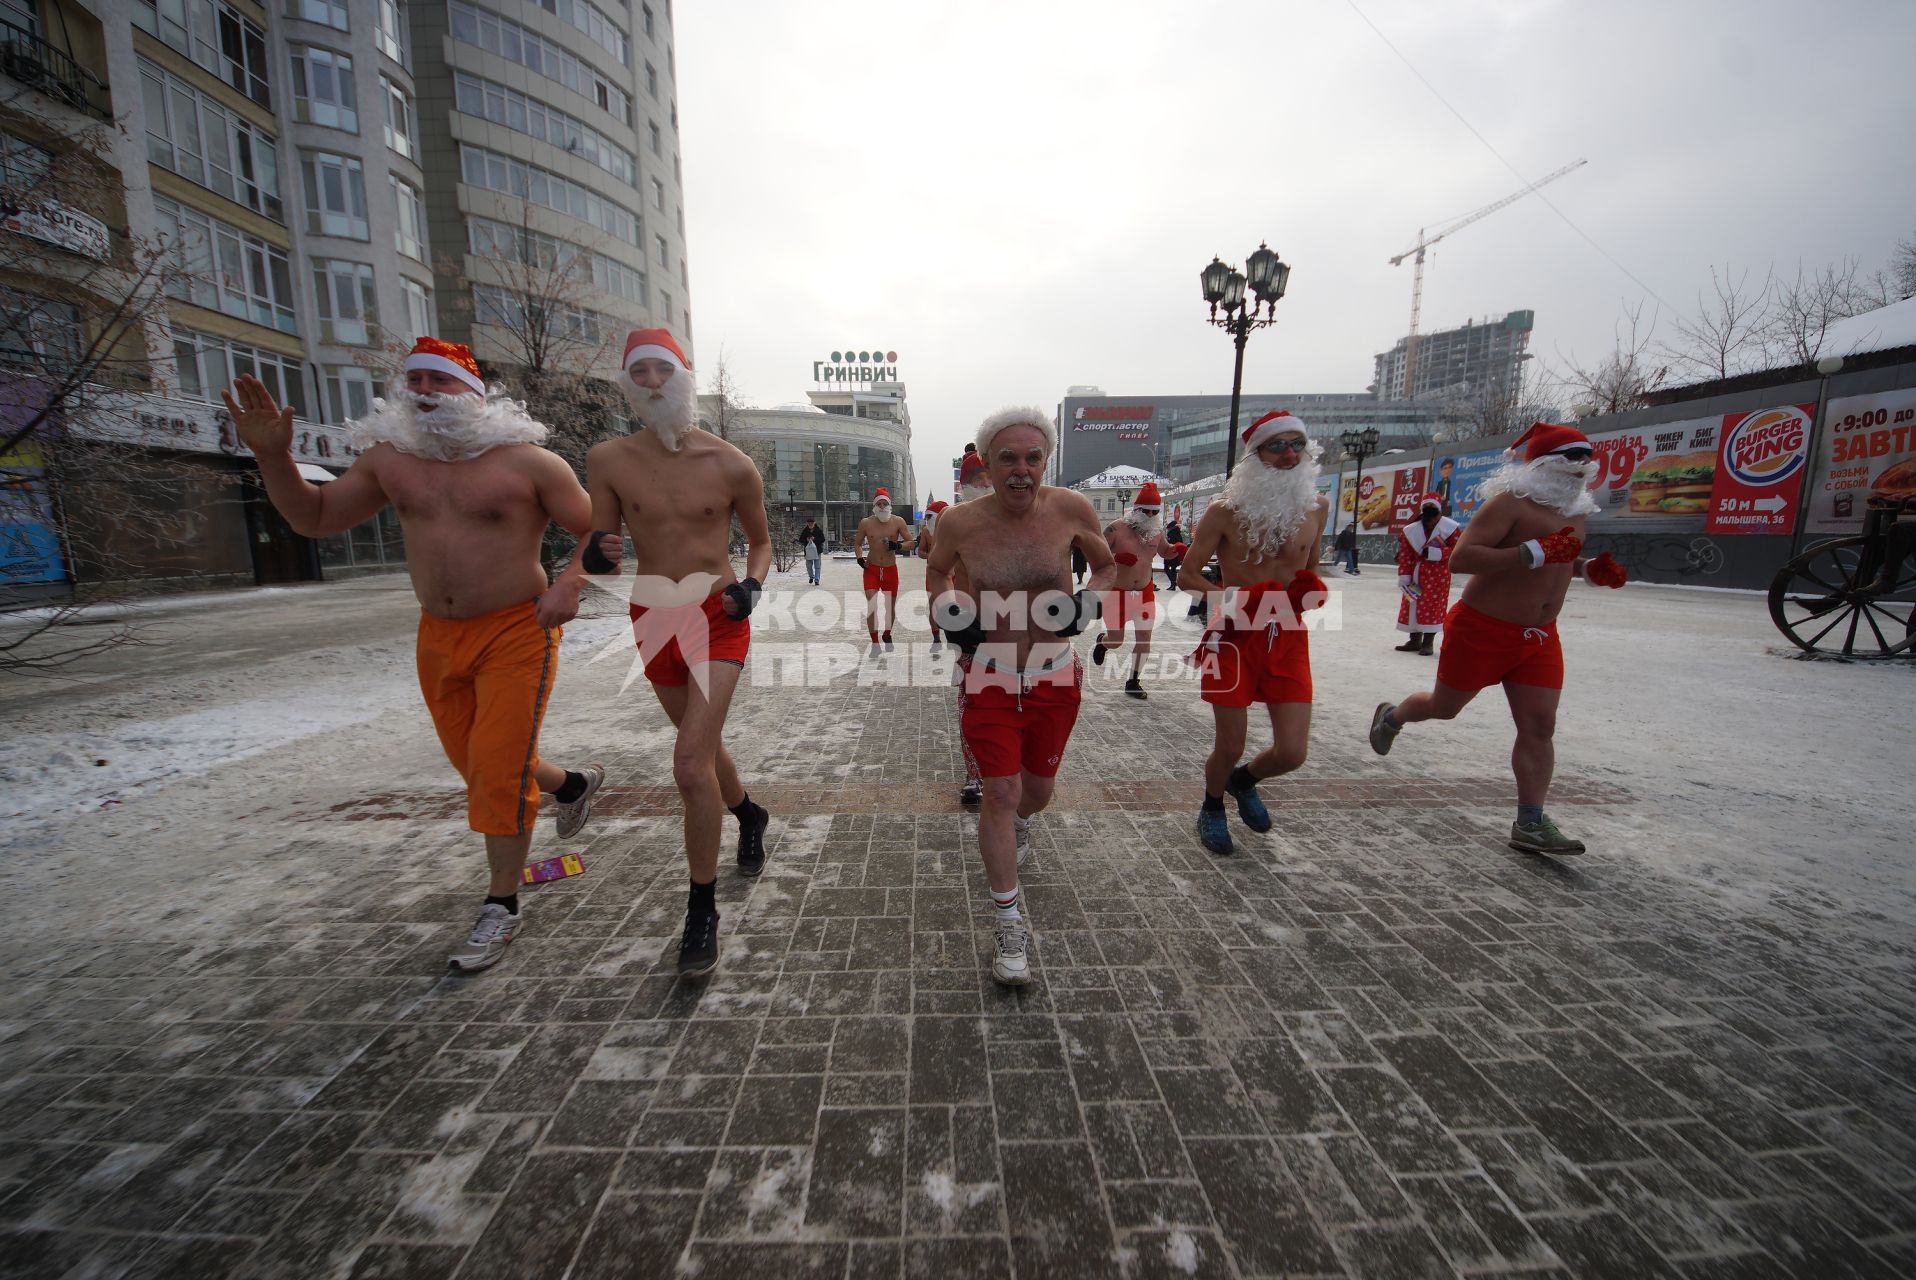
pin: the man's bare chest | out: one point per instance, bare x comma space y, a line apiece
468, 493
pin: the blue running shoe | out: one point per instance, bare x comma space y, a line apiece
1252, 810
1212, 833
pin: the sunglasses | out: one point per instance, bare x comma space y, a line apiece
1282, 446
1578, 455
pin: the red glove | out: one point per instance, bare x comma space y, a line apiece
1604, 571
1178, 549
1126, 557
1305, 584
1560, 547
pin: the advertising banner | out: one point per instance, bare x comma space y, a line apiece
1868, 452
1759, 470
1656, 477
1461, 478
1383, 500
29, 547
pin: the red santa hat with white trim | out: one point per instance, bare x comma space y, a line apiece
1021, 416
970, 468
1276, 422
1430, 500
1545, 438
654, 344
454, 358
881, 496
1148, 500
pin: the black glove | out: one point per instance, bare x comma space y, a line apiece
745, 595
1069, 617
897, 545
595, 560
861, 562
959, 621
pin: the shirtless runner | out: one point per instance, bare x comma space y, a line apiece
927, 538
883, 535
1135, 541
474, 493
677, 487
1264, 530
974, 482
1020, 675
1521, 551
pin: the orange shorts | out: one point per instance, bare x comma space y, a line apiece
1266, 664
881, 577
486, 681
1007, 724
1480, 651
673, 641
1138, 605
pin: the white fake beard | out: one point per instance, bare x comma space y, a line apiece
881, 510
1550, 481
666, 412
1150, 530
1271, 502
969, 492
445, 428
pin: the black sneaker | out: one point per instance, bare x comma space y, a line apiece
1135, 688
699, 947
751, 842
888, 642
973, 792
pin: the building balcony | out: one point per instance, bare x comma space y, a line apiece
33, 62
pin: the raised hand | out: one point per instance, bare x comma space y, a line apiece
1562, 546
263, 426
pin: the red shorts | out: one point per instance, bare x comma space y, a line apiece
881, 577
1268, 664
1007, 724
1480, 651
1138, 605
673, 641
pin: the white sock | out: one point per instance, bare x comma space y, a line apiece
1007, 904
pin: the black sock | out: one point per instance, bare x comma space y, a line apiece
1213, 804
510, 903
1242, 779
745, 811
703, 896
571, 789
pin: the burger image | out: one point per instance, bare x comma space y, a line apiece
1689, 477
1895, 485
1375, 512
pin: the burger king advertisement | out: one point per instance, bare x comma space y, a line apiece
1867, 458
1656, 476
1759, 470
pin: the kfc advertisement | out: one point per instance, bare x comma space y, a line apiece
1867, 457
1382, 500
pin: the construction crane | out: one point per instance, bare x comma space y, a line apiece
1424, 242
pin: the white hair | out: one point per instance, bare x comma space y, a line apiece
446, 428
1550, 481
1019, 416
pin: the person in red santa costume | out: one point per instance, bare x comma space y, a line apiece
1264, 529
1423, 574
1521, 549
876, 543
1135, 541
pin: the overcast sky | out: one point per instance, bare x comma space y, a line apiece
1018, 197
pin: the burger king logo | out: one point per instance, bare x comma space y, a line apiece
1766, 448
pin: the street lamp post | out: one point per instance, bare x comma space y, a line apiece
1223, 284
1362, 444
824, 507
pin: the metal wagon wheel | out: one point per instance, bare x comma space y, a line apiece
1819, 601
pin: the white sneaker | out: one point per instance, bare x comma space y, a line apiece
572, 816
490, 934
1023, 828
1012, 966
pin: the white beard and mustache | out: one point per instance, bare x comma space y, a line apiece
1550, 481
667, 412
881, 510
445, 428
967, 493
1148, 529
1270, 502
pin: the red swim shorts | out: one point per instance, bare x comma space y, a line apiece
1009, 723
1138, 605
1480, 651
881, 577
1268, 664
674, 640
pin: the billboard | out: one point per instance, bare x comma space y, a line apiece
1868, 446
1383, 499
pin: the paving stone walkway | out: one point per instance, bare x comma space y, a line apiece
1374, 1043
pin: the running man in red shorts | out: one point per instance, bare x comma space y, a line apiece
883, 534
1264, 531
1521, 549
1019, 695
1135, 542
677, 487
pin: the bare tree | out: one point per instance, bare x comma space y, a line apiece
1902, 267
725, 402
1621, 379
1725, 336
1488, 409
1805, 307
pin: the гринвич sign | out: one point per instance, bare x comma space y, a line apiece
857, 366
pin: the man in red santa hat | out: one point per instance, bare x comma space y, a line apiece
1264, 529
1521, 550
677, 488
876, 543
1423, 574
474, 493
1135, 541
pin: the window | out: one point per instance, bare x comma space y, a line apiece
215, 35
410, 236
536, 119
489, 239
664, 260
330, 13
517, 44
651, 80
216, 265
592, 20
23, 166
495, 172
503, 307
402, 128
38, 335
418, 308
645, 17
665, 303
652, 132
348, 392
348, 303
201, 140
389, 32
323, 88
206, 365
658, 195
335, 195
